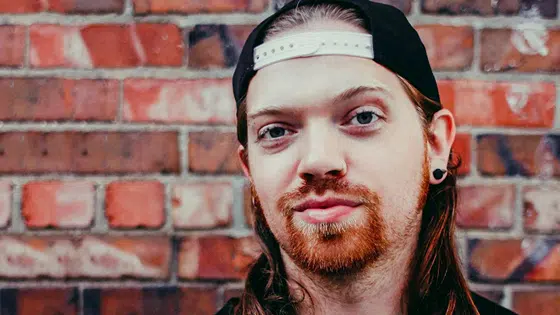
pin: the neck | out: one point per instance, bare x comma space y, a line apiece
378, 289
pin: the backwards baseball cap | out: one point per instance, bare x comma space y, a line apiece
392, 42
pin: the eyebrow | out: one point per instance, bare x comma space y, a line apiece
343, 96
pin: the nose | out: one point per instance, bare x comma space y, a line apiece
322, 156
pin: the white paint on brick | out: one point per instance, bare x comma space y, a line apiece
5, 203
189, 257
74, 204
76, 52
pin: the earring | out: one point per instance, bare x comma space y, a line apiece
438, 173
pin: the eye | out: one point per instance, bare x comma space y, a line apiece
364, 117
272, 132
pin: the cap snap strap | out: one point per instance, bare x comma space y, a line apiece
313, 44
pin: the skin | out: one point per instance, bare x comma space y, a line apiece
301, 129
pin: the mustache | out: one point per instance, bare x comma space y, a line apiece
320, 186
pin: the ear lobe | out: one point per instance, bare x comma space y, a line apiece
244, 159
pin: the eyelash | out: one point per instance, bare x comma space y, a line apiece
268, 128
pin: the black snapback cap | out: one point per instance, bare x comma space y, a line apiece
396, 45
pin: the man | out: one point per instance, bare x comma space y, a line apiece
348, 152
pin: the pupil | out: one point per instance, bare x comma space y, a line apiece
365, 118
276, 132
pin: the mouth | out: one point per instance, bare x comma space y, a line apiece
329, 210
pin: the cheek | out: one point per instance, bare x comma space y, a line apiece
394, 171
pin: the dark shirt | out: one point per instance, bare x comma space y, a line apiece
484, 306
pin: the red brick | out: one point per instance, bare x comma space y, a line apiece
89, 256
213, 152
486, 206
48, 301
195, 300
22, 6
536, 302
58, 204
106, 46
135, 204
192, 7
95, 152
130, 152
448, 47
205, 101
247, 205
216, 46
13, 45
216, 257
5, 203
510, 50
86, 6
202, 205
541, 210
462, 148
58, 99
526, 155
512, 104
515, 260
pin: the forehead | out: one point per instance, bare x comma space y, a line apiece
316, 80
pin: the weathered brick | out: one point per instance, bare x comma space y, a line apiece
58, 204
202, 205
540, 8
135, 204
32, 301
22, 6
94, 152
530, 8
462, 148
512, 104
213, 152
89, 256
86, 6
525, 155
5, 203
205, 101
514, 260
216, 46
541, 208
216, 257
448, 47
536, 302
193, 7
106, 45
58, 99
486, 206
13, 45
527, 49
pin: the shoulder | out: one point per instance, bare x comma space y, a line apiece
487, 307
228, 308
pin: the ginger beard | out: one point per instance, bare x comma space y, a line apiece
345, 247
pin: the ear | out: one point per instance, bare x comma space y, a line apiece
243, 158
441, 138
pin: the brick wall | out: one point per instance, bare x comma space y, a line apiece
120, 192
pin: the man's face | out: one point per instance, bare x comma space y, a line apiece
337, 160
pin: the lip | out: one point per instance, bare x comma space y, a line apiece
319, 204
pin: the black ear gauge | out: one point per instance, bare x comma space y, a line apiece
438, 173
